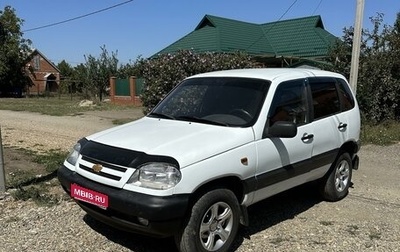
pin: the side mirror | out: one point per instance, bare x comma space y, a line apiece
282, 129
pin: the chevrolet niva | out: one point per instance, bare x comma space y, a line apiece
216, 144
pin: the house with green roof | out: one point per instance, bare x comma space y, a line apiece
277, 44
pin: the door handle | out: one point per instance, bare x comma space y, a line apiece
342, 126
307, 136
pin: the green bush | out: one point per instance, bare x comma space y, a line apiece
378, 85
164, 72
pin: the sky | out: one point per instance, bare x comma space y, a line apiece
141, 28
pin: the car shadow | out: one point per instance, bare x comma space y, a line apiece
131, 241
276, 209
262, 215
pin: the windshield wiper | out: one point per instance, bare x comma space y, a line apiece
160, 115
200, 120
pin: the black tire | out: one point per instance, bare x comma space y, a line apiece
335, 186
213, 223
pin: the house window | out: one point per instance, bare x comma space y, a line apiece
36, 62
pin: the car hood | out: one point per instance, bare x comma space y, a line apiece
187, 142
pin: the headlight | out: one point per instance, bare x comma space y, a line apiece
74, 154
158, 176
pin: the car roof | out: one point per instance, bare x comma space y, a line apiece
271, 74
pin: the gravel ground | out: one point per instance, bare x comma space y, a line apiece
43, 132
368, 219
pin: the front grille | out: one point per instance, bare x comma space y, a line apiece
110, 166
100, 173
108, 171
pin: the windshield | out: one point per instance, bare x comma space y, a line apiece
215, 100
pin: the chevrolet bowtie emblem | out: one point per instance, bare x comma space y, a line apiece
97, 167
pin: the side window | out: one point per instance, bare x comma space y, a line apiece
289, 103
345, 95
325, 98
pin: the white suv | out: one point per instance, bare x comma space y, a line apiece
216, 144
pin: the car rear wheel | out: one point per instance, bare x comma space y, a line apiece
213, 223
336, 185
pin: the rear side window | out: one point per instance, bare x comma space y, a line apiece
325, 98
345, 95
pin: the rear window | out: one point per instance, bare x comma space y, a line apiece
345, 95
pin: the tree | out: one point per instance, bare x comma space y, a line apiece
130, 69
339, 54
66, 71
380, 80
378, 88
80, 78
98, 72
14, 50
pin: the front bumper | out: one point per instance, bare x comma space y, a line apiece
164, 214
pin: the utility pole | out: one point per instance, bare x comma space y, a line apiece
2, 173
355, 55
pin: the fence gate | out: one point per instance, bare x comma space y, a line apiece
126, 91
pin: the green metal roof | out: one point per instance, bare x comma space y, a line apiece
302, 37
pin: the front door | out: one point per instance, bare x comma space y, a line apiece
284, 162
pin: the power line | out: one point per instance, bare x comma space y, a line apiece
288, 9
316, 8
79, 17
265, 32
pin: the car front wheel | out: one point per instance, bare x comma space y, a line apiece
213, 223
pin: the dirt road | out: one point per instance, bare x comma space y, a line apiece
42, 132
368, 219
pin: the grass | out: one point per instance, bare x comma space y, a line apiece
385, 133
55, 106
52, 159
39, 194
31, 184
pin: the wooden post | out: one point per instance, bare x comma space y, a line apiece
132, 88
112, 88
2, 172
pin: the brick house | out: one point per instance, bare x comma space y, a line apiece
43, 74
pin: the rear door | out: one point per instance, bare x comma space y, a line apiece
349, 117
329, 127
